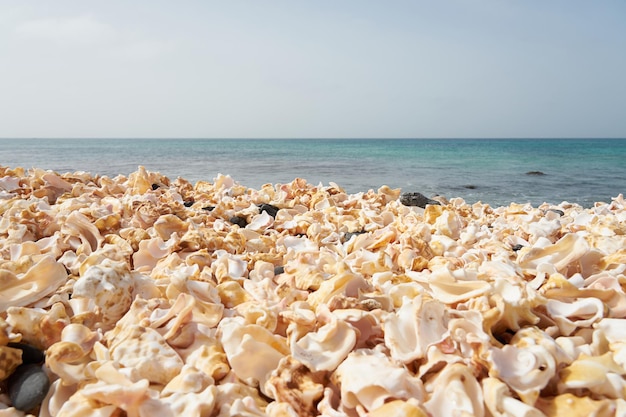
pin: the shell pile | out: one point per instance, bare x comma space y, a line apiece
157, 297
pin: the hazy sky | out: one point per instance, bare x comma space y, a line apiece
317, 68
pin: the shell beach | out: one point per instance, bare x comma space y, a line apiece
151, 296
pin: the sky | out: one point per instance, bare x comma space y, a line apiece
312, 69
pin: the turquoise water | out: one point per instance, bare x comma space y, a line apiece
493, 171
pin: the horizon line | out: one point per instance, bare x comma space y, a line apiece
311, 138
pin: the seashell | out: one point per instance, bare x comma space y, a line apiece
566, 314
526, 370
455, 391
367, 379
399, 408
113, 388
573, 406
465, 329
326, 348
614, 332
295, 384
207, 356
261, 222
448, 223
600, 374
10, 359
227, 266
150, 252
189, 380
515, 306
418, 324
83, 235
193, 404
38, 327
243, 342
10, 184
501, 403
42, 277
447, 289
343, 282
108, 287
566, 251
69, 357
239, 399
58, 395
232, 294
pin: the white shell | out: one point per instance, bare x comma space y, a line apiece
367, 378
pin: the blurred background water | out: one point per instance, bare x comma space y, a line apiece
493, 171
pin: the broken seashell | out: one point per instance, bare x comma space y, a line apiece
367, 378
455, 391
107, 288
294, 383
571, 315
526, 370
418, 324
326, 348
240, 341
43, 276
569, 249
501, 403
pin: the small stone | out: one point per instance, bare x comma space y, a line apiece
417, 199
28, 386
279, 270
347, 236
30, 354
155, 186
208, 208
557, 211
270, 209
239, 221
535, 173
188, 203
517, 247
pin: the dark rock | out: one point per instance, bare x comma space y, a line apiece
30, 354
28, 386
535, 173
208, 208
347, 236
155, 186
239, 221
279, 270
557, 211
470, 186
517, 247
270, 209
188, 203
417, 199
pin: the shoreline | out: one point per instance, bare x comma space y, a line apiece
272, 300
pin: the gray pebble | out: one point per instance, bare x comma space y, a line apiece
28, 386
270, 209
239, 221
417, 199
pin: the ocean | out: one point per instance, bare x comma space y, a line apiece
494, 171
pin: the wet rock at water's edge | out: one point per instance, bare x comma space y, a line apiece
418, 200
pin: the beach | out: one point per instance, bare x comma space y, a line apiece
155, 295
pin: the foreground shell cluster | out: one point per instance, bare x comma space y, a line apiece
157, 297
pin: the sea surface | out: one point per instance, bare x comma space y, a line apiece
494, 171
